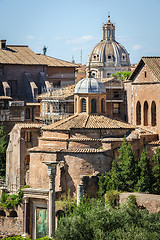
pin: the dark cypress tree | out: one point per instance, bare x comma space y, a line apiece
145, 176
127, 166
113, 179
156, 172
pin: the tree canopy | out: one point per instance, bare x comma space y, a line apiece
122, 75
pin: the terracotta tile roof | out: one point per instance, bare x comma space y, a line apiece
14, 54
59, 93
153, 64
71, 139
154, 142
55, 62
84, 120
76, 150
28, 125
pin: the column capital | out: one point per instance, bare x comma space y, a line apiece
52, 166
26, 200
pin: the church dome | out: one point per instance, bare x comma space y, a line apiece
109, 53
89, 85
108, 56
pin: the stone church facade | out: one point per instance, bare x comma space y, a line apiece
142, 91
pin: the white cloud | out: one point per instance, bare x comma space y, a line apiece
30, 37
137, 47
57, 38
82, 39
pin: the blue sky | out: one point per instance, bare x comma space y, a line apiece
66, 27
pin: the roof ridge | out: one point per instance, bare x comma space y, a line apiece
85, 123
60, 122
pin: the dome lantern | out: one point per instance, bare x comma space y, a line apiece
108, 30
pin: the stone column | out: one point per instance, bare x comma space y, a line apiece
51, 173
26, 219
79, 193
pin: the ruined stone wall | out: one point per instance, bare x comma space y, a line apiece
16, 162
149, 201
72, 166
11, 225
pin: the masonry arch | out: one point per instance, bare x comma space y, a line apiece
93, 105
83, 105
145, 113
13, 213
153, 114
2, 213
138, 113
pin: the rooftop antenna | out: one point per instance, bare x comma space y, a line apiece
44, 50
73, 61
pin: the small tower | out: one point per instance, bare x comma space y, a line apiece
108, 30
90, 96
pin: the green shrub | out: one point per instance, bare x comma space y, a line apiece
93, 221
112, 198
10, 201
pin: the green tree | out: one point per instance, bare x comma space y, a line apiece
3, 146
123, 174
121, 75
144, 179
92, 221
127, 166
156, 172
113, 179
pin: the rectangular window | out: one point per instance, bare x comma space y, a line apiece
116, 108
116, 95
27, 136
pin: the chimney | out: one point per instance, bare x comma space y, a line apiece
2, 44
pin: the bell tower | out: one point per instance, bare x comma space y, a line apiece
108, 30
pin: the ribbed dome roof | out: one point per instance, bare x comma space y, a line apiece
89, 85
109, 52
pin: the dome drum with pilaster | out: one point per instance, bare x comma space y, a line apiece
90, 96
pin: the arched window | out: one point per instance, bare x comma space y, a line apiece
93, 106
83, 105
153, 114
102, 105
145, 110
13, 214
138, 113
2, 213
108, 33
27, 113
